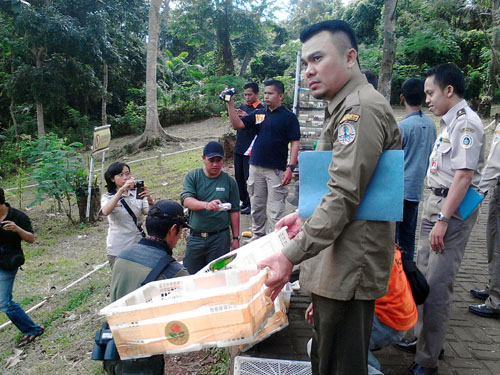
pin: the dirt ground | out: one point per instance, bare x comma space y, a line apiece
63, 253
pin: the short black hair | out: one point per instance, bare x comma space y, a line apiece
2, 196
114, 169
251, 85
448, 74
278, 85
413, 91
162, 216
333, 26
371, 77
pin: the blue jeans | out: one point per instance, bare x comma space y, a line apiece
14, 312
405, 230
382, 336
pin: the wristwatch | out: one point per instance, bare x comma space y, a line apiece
441, 217
291, 166
237, 238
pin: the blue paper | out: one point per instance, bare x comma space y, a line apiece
383, 200
471, 200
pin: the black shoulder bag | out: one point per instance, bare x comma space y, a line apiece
10, 258
122, 201
418, 283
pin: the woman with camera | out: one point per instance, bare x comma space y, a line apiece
15, 226
125, 204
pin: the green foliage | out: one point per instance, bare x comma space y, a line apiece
132, 122
268, 64
57, 168
429, 47
400, 74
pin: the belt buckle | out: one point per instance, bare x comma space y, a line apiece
204, 235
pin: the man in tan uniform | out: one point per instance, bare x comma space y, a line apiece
353, 257
454, 165
490, 181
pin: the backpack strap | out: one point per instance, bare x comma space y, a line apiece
166, 265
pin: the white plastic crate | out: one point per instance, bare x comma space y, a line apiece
264, 366
189, 313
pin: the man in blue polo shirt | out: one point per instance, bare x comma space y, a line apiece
276, 127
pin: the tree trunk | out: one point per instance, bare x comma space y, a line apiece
153, 132
39, 53
104, 116
244, 63
13, 116
388, 49
495, 48
225, 52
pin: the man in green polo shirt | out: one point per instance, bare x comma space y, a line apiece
204, 192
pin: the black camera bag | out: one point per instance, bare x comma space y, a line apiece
418, 283
11, 258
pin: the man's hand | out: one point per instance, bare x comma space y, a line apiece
292, 222
10, 226
437, 236
213, 205
287, 177
281, 268
241, 113
310, 314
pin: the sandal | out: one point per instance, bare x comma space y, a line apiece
27, 339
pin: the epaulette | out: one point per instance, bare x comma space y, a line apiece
460, 112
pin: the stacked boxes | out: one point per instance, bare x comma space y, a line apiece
311, 114
189, 313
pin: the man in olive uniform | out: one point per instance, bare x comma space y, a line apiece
490, 181
454, 165
352, 258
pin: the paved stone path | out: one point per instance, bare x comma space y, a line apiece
473, 343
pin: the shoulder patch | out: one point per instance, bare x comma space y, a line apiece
460, 112
346, 133
466, 141
259, 117
465, 130
350, 117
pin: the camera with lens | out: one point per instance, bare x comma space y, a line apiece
226, 95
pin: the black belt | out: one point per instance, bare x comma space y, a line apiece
440, 192
206, 234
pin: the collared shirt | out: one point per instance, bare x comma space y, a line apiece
245, 137
122, 231
460, 145
418, 134
206, 189
275, 129
491, 172
353, 257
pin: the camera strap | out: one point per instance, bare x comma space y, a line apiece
131, 213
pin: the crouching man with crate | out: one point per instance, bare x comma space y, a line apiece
148, 260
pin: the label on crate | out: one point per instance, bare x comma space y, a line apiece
177, 333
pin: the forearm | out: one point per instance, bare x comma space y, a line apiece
235, 223
110, 206
25, 235
194, 204
294, 152
233, 116
460, 184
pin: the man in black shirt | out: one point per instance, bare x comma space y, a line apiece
15, 226
244, 143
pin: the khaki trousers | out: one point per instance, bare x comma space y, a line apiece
493, 248
266, 195
440, 270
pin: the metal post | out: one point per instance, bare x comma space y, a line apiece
91, 172
101, 185
297, 84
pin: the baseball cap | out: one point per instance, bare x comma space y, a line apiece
169, 210
213, 149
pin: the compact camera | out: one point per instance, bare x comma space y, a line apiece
224, 206
227, 94
139, 188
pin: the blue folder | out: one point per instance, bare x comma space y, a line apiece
383, 199
471, 200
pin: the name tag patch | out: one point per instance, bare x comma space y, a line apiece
220, 189
259, 117
350, 117
346, 133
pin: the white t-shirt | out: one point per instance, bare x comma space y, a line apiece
122, 231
